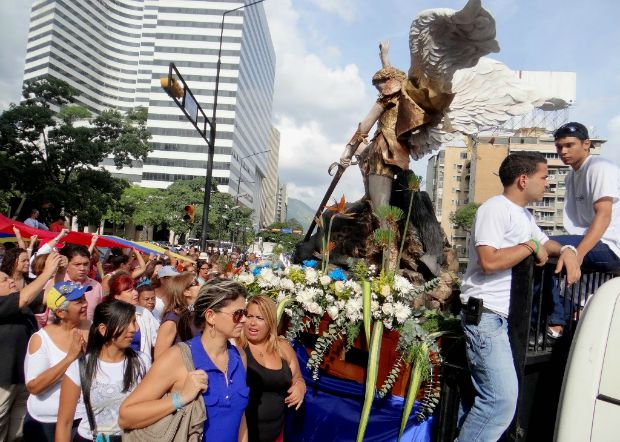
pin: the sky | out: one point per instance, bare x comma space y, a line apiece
327, 52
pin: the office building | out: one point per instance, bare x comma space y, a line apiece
114, 53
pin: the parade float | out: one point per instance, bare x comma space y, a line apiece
368, 302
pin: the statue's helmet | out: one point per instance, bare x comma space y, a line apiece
388, 73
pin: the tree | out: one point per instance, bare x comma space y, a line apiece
287, 241
51, 149
464, 217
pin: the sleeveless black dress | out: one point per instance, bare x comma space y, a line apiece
268, 389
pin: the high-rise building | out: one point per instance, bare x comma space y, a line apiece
270, 183
459, 175
114, 52
281, 203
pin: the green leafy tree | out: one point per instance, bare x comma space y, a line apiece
51, 149
226, 218
464, 217
286, 241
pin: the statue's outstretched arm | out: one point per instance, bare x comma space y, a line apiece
361, 133
384, 48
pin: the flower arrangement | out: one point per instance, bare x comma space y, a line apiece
371, 299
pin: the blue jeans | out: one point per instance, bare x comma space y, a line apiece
493, 374
600, 259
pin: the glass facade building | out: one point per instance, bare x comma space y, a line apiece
114, 53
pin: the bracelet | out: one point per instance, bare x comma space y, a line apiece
29, 249
527, 246
537, 245
569, 247
177, 403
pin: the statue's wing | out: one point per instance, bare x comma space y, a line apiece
442, 41
488, 95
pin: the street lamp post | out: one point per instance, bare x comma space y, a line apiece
209, 178
241, 169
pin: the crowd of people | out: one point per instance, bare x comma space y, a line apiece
94, 343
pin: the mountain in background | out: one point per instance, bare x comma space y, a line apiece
300, 211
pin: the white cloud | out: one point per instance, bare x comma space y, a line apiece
610, 148
346, 9
316, 108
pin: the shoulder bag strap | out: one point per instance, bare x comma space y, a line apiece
186, 354
86, 395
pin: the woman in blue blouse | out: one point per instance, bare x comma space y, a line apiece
219, 376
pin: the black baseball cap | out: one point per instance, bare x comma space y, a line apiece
573, 129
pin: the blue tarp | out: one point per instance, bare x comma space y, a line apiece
332, 409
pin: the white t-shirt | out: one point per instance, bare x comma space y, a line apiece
160, 305
499, 223
44, 406
595, 179
106, 395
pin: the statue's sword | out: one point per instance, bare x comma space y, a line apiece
340, 170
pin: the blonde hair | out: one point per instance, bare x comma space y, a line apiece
267, 308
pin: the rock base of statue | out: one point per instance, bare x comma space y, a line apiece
353, 240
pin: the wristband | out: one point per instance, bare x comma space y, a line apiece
527, 246
569, 247
537, 245
177, 403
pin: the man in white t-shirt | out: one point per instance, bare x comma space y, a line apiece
591, 210
504, 234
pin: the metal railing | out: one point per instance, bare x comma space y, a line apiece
539, 362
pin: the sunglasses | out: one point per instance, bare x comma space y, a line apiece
237, 315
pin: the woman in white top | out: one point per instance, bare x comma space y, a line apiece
122, 288
111, 370
50, 352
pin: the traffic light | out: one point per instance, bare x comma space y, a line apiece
174, 89
188, 217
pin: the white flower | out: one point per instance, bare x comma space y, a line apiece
246, 278
402, 285
353, 286
385, 290
372, 270
388, 309
311, 276
287, 284
305, 296
329, 298
314, 307
339, 286
388, 323
325, 280
353, 308
375, 308
333, 312
402, 312
281, 296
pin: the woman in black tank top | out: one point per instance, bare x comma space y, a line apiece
273, 373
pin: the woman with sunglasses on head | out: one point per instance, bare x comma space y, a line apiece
50, 352
274, 377
122, 288
105, 375
219, 376
182, 293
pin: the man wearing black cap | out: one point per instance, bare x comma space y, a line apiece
591, 209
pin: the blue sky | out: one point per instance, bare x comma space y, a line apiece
327, 52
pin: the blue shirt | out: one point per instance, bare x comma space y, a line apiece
225, 403
135, 342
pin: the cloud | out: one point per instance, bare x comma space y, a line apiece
316, 107
13, 34
610, 149
346, 9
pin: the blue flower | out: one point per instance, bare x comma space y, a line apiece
312, 263
338, 274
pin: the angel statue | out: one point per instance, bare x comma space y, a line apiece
450, 89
